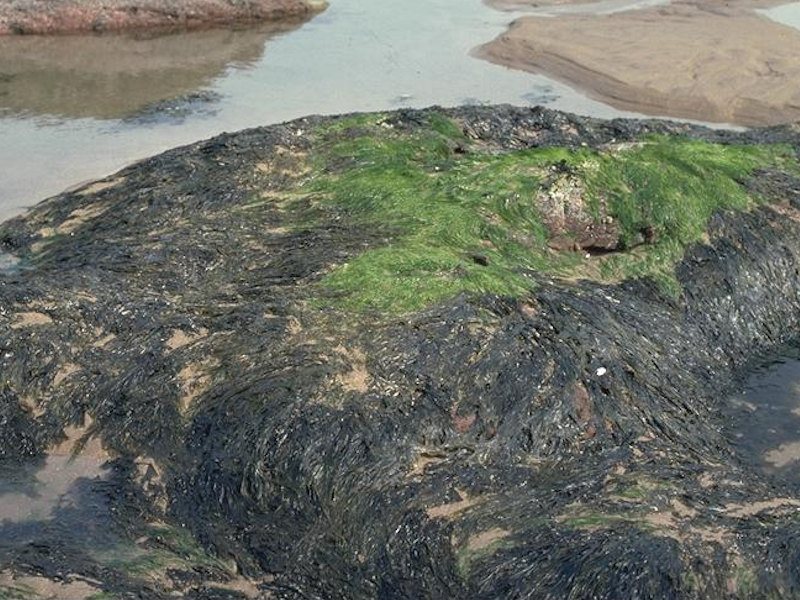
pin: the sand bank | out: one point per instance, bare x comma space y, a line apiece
720, 63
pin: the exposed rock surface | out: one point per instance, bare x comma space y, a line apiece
75, 16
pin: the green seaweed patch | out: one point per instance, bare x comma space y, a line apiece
446, 127
453, 221
596, 521
638, 489
666, 190
167, 547
456, 224
480, 546
634, 493
744, 579
339, 125
16, 592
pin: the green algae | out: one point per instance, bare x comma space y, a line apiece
640, 489
16, 592
439, 213
744, 579
454, 220
169, 547
670, 188
595, 521
466, 557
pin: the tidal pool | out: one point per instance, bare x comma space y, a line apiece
61, 500
8, 263
765, 418
62, 495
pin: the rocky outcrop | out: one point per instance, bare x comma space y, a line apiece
84, 16
564, 441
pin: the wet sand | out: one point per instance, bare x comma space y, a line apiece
593, 6
705, 61
518, 4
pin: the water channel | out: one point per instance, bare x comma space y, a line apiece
77, 108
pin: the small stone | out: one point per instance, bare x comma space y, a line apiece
601, 371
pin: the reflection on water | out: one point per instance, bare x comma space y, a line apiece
766, 418
356, 56
8, 263
35, 496
70, 528
109, 77
63, 496
63, 500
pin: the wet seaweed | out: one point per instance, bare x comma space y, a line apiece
556, 438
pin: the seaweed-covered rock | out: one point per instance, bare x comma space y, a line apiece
307, 386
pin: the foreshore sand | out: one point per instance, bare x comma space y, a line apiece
707, 61
523, 4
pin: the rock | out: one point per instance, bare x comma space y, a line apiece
563, 204
76, 16
324, 436
480, 259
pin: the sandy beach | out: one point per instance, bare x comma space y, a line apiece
523, 4
719, 63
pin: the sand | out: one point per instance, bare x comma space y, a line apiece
526, 4
714, 62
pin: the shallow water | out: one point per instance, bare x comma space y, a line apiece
766, 418
8, 263
60, 497
788, 14
35, 493
77, 108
